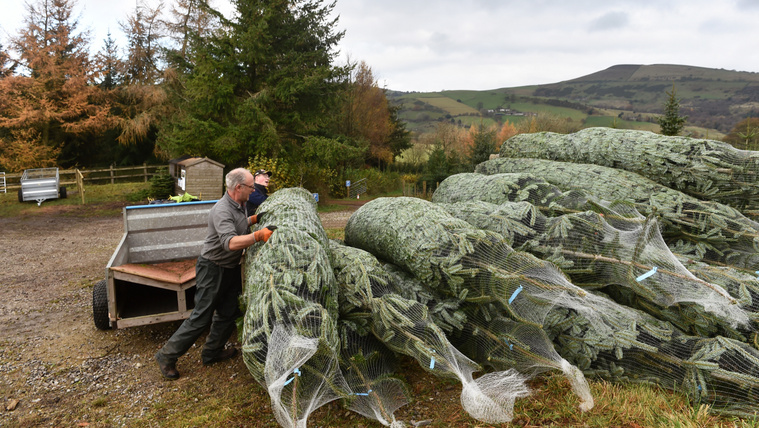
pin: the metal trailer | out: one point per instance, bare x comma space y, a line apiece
40, 184
151, 276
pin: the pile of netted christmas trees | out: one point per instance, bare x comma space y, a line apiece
525, 266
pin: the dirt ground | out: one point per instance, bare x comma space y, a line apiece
56, 368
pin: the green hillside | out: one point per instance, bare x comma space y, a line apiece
628, 96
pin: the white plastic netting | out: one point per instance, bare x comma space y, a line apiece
290, 339
369, 369
716, 370
529, 266
702, 230
457, 263
612, 246
323, 322
706, 169
405, 326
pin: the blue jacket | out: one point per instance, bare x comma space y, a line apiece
256, 198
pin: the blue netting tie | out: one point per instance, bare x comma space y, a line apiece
516, 293
647, 274
297, 372
362, 393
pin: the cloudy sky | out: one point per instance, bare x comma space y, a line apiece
415, 45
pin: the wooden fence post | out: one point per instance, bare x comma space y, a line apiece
145, 168
80, 183
111, 171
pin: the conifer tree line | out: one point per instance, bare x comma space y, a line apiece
262, 84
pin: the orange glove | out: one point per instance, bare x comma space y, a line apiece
264, 234
255, 218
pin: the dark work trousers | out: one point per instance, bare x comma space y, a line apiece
216, 303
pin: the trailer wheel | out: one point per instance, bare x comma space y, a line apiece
62, 191
20, 196
100, 305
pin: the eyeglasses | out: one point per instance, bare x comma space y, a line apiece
248, 186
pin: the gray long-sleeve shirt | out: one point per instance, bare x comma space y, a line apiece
226, 220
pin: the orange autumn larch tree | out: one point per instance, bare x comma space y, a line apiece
368, 115
50, 105
507, 131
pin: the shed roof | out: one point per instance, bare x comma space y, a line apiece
193, 161
179, 159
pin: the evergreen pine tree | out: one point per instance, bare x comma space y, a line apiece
671, 122
109, 65
260, 87
483, 145
745, 134
438, 166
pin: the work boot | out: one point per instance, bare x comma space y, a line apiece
168, 369
224, 355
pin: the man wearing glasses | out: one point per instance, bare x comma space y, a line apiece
218, 277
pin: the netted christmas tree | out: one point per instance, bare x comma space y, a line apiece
442, 257
290, 340
463, 264
310, 308
369, 304
706, 169
611, 243
494, 340
369, 369
719, 372
630, 261
702, 230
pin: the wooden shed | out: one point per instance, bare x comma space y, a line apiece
200, 177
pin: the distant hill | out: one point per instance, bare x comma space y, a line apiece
625, 96
665, 72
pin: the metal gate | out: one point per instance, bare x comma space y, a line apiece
357, 188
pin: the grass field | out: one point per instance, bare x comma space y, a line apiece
573, 114
453, 107
100, 200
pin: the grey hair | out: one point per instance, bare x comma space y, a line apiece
235, 177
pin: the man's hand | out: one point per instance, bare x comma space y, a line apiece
264, 234
257, 218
